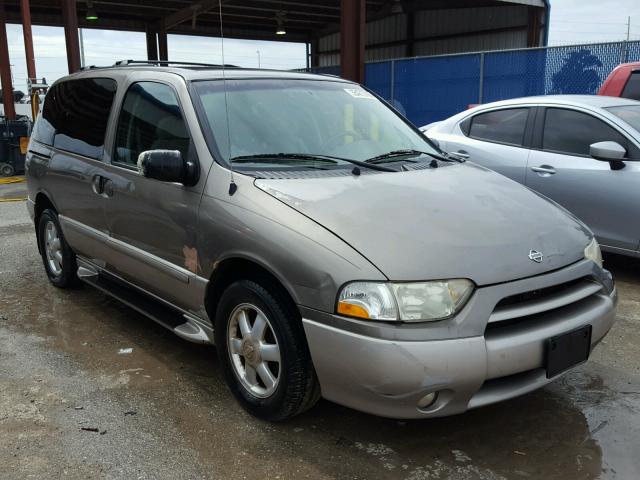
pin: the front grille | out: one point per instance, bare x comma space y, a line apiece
528, 306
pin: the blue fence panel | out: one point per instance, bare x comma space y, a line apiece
431, 89
582, 69
378, 78
513, 74
579, 69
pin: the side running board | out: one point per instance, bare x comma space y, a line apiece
180, 323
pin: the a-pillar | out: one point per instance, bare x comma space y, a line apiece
352, 39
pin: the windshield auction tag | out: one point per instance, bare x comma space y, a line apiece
359, 93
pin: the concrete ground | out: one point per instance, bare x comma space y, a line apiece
73, 406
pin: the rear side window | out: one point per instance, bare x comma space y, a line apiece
75, 115
572, 132
500, 126
150, 119
632, 88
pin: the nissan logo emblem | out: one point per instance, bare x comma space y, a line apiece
535, 256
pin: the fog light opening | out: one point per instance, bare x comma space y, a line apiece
428, 400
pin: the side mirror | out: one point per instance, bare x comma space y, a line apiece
608, 151
167, 166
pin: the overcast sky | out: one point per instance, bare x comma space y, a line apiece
572, 21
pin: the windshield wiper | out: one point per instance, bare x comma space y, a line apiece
389, 156
284, 157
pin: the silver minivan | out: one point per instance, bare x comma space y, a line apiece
314, 236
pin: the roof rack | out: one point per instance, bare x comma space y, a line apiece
165, 63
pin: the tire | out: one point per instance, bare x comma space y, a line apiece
6, 170
296, 388
61, 269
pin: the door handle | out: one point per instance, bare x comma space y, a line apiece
97, 185
102, 186
545, 170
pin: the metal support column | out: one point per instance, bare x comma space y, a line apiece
70, 21
352, 39
411, 36
481, 80
29, 55
163, 48
28, 38
5, 69
152, 44
313, 52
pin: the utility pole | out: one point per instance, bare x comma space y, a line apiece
625, 59
258, 52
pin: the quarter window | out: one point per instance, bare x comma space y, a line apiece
501, 126
75, 115
150, 119
572, 132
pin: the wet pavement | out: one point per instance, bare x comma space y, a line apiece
74, 404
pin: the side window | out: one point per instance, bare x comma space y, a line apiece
572, 132
75, 115
632, 88
501, 126
150, 119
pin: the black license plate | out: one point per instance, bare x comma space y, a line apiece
568, 350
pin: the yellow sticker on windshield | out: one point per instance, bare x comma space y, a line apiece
359, 93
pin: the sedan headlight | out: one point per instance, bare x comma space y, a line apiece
593, 253
407, 302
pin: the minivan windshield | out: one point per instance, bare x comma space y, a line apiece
628, 113
290, 123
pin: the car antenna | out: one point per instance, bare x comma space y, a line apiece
232, 184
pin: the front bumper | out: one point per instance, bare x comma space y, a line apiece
389, 376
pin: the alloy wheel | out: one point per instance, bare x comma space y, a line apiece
254, 350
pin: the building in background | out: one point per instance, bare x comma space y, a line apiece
404, 29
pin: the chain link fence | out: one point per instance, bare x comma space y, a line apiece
429, 89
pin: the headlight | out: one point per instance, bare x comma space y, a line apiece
592, 252
407, 302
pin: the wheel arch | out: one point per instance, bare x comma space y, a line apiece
237, 268
42, 202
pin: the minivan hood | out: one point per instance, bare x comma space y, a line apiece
458, 221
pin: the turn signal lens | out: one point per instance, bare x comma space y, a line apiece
352, 310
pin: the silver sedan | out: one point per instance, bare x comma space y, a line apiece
583, 151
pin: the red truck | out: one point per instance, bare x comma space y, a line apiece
623, 81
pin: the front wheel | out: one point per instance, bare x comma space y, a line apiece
263, 351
